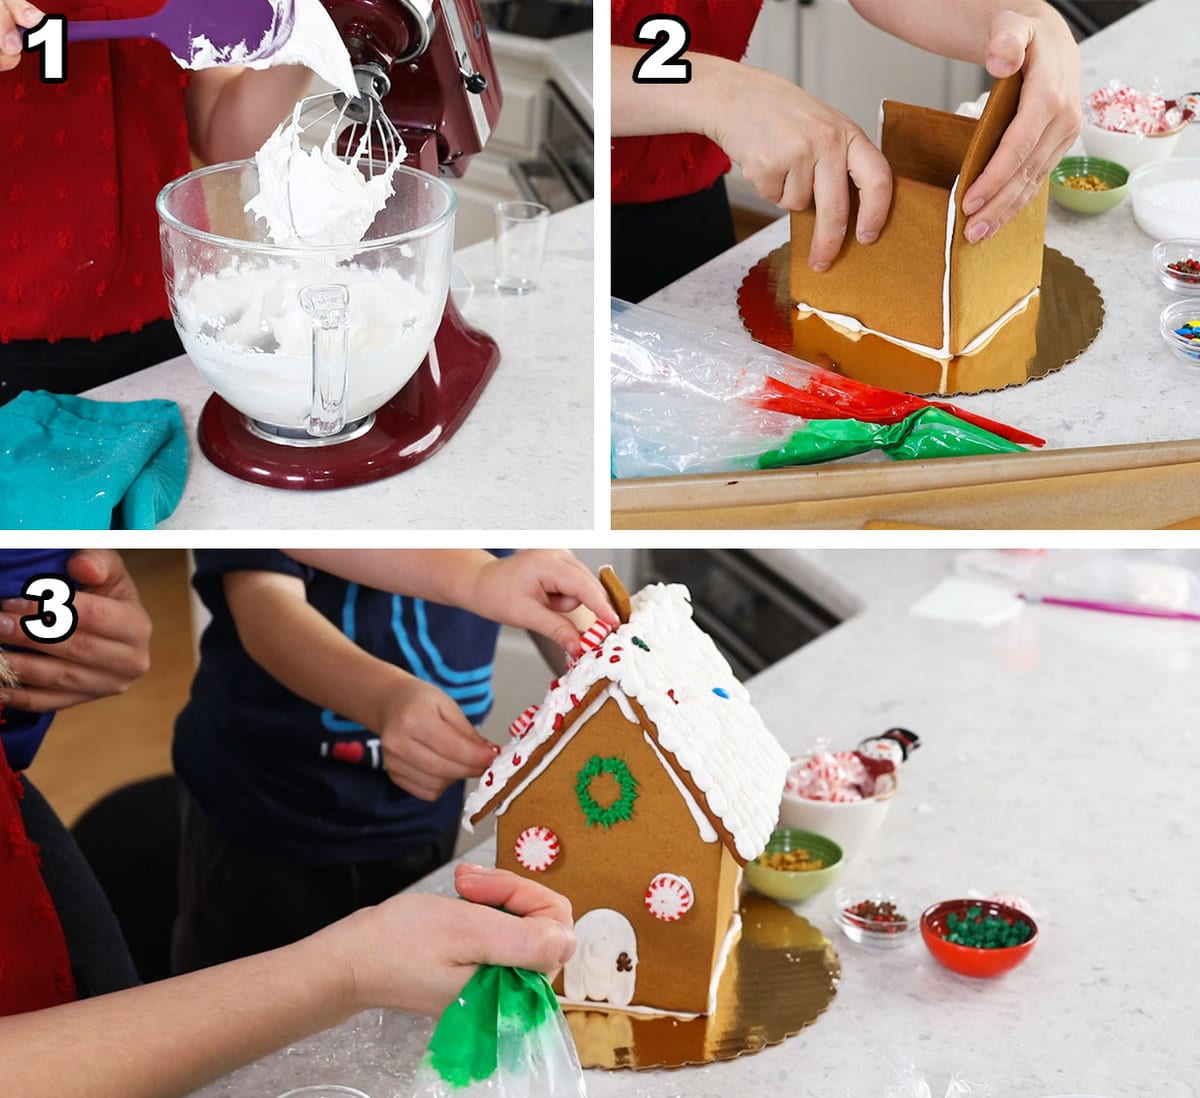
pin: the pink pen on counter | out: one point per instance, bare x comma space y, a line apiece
1133, 609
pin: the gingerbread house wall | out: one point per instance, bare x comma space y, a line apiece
600, 867
895, 285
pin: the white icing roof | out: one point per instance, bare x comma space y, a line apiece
703, 715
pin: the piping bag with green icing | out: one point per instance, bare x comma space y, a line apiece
504, 1036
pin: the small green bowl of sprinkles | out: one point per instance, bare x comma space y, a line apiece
1179, 325
1088, 185
978, 938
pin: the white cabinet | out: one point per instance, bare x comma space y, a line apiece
827, 48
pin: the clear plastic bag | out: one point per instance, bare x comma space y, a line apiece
505, 1037
911, 1083
692, 399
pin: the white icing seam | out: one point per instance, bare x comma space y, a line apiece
704, 826
518, 788
731, 936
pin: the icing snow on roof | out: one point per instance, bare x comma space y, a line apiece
703, 715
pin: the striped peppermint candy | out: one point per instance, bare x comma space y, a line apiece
669, 897
523, 723
536, 848
592, 638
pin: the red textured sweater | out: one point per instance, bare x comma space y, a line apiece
649, 169
81, 164
35, 969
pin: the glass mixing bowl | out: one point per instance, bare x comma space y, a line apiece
305, 342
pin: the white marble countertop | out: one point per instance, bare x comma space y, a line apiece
1126, 387
1057, 762
567, 60
521, 460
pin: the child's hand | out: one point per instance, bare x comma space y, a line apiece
536, 589
427, 742
108, 651
416, 951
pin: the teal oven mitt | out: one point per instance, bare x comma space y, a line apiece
69, 463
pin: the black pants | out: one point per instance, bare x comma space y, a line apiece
235, 901
75, 365
654, 243
100, 960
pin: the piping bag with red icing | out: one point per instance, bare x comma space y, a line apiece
504, 1036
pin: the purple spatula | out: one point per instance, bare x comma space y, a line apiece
213, 30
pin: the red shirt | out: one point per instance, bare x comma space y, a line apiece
649, 169
81, 163
35, 968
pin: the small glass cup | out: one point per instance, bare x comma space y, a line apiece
521, 230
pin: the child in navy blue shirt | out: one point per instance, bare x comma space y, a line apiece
331, 726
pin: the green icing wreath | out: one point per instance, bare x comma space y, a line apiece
622, 807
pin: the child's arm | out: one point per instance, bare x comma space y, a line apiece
427, 742
535, 589
413, 952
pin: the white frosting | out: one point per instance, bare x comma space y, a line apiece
592, 972
314, 42
246, 331
313, 196
854, 328
717, 739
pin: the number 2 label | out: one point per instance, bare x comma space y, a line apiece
56, 618
663, 64
49, 38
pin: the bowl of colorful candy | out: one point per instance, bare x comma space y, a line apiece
1179, 324
1088, 185
1177, 264
978, 937
795, 865
1130, 126
882, 920
1166, 198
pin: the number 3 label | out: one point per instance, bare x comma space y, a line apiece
56, 617
662, 65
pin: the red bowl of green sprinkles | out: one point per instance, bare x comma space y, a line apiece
978, 938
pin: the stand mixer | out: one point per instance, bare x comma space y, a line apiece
427, 65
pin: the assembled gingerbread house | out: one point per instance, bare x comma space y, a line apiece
921, 285
638, 789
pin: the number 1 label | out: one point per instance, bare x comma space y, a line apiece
49, 38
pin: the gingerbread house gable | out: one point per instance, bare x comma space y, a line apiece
675, 681
921, 284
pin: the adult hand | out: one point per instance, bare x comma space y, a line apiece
426, 740
1047, 122
416, 951
108, 651
13, 15
535, 589
799, 152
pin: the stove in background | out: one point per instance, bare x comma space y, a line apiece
755, 615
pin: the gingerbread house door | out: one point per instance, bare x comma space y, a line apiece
604, 965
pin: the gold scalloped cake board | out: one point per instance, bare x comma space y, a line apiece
780, 977
1056, 327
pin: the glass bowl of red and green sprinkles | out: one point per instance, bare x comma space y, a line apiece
1177, 264
978, 937
1179, 324
882, 920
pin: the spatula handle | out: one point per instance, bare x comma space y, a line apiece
92, 30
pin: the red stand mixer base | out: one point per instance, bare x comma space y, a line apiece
408, 429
